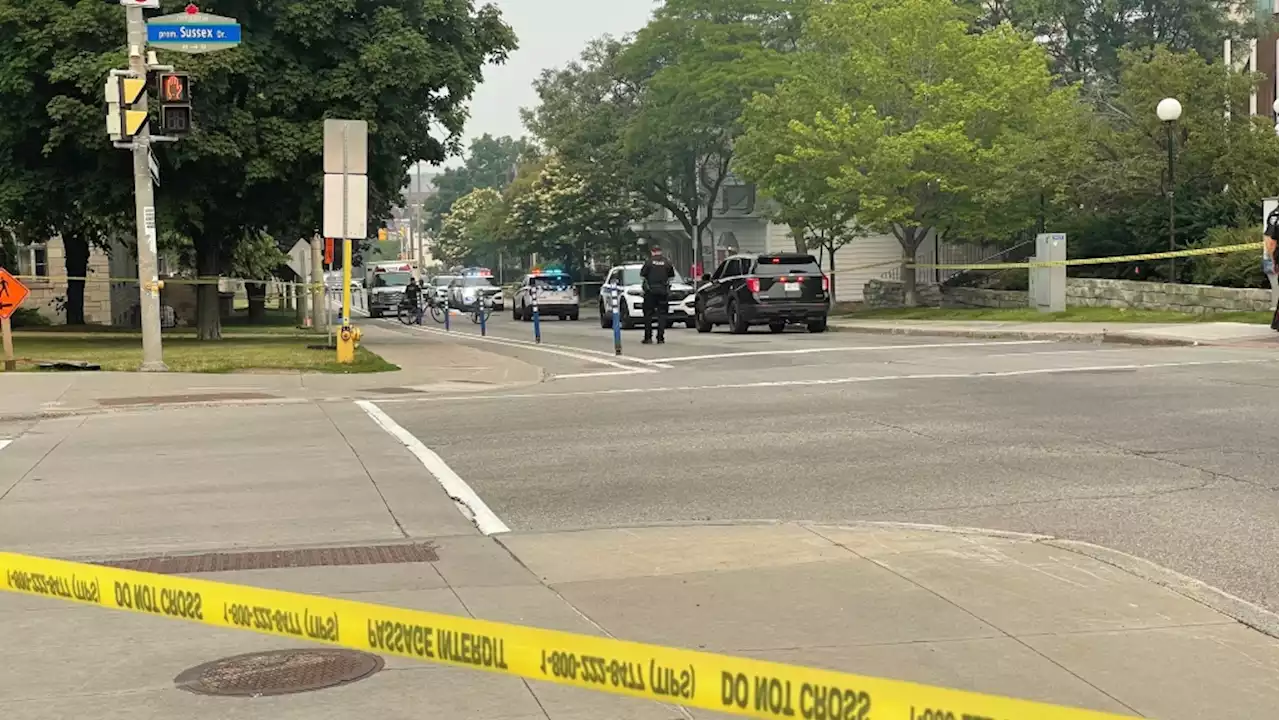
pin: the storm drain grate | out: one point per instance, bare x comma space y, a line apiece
278, 672
276, 559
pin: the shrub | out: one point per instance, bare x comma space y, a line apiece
1237, 269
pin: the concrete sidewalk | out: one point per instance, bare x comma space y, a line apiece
427, 364
1199, 333
1015, 615
998, 615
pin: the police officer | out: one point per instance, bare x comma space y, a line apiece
655, 282
413, 293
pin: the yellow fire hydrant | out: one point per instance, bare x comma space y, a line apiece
348, 341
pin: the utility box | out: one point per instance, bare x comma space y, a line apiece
1048, 285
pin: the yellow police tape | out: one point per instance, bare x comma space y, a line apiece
738, 686
1194, 252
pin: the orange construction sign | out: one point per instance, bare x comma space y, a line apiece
12, 293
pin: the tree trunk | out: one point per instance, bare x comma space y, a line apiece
797, 236
257, 294
831, 272
77, 259
208, 317
910, 241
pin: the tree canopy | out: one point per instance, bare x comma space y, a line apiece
252, 166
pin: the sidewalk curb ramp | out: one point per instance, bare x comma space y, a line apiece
736, 686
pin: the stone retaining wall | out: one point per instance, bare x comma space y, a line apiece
1084, 292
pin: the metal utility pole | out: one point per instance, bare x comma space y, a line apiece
417, 219
148, 275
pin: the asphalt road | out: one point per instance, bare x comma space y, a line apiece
1165, 453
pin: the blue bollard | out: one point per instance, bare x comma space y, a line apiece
537, 320
484, 315
617, 322
446, 312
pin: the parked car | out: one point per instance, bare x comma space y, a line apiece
631, 304
772, 290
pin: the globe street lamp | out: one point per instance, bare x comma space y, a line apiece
1169, 110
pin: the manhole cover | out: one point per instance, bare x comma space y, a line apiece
279, 672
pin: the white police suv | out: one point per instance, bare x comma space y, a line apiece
631, 307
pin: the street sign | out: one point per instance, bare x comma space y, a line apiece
193, 32
351, 136
346, 214
300, 257
346, 184
12, 293
154, 166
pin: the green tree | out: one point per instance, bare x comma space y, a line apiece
56, 53
253, 164
570, 215
1086, 39
491, 163
1224, 158
929, 124
470, 227
660, 113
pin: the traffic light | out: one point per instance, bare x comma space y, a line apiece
123, 95
175, 103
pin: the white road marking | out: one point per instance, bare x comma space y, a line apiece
455, 486
849, 348
602, 373
575, 353
830, 381
4, 443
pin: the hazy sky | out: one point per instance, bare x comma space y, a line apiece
551, 33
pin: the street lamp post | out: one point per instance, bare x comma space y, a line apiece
1169, 110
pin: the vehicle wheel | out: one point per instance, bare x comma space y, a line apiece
624, 318
819, 325
375, 314
689, 323
573, 317
777, 327
527, 314
606, 321
515, 312
737, 325
562, 318
701, 322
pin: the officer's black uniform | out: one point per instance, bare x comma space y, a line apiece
656, 276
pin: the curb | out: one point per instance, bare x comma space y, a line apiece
1221, 601
1060, 336
1238, 609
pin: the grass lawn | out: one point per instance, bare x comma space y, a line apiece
1075, 314
186, 354
276, 322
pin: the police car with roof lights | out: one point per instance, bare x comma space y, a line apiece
556, 296
631, 301
474, 285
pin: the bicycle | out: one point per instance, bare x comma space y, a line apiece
438, 309
407, 313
